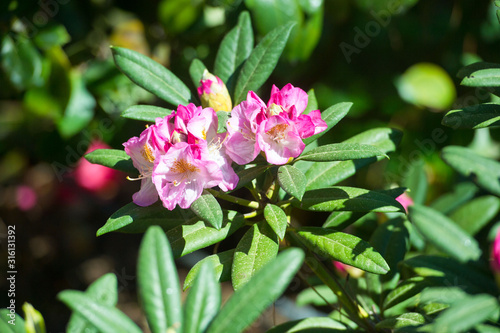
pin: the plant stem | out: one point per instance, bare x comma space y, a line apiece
355, 311
236, 200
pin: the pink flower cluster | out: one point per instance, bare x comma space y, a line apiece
182, 154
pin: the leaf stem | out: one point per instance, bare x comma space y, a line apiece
236, 200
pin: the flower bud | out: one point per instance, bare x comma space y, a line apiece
213, 93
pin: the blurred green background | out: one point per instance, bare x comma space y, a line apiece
395, 60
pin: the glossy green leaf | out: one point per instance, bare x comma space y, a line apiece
112, 158
476, 116
104, 291
416, 181
469, 70
234, 50
203, 300
196, 70
484, 328
411, 287
433, 308
445, 294
247, 175
245, 305
341, 152
158, 283
207, 208
404, 320
312, 102
454, 271
340, 220
320, 295
484, 172
136, 219
448, 202
258, 246
261, 62
475, 214
104, 318
177, 16
485, 77
323, 174
277, 219
221, 262
311, 324
21, 62
331, 116
346, 248
444, 234
292, 181
195, 235
146, 112
52, 36
80, 108
465, 314
151, 76
5, 326
34, 322
347, 198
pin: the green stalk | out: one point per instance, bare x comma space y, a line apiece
355, 311
236, 200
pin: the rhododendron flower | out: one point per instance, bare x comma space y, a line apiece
179, 156
181, 175
495, 254
213, 93
277, 128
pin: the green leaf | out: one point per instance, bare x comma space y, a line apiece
476, 116
277, 219
331, 116
80, 108
5, 326
261, 62
322, 174
221, 262
484, 172
311, 324
207, 208
340, 220
483, 328
234, 50
34, 322
411, 287
21, 62
245, 305
433, 308
151, 76
347, 198
195, 235
104, 291
203, 300
146, 112
474, 215
258, 246
247, 175
320, 295
444, 234
341, 152
469, 70
455, 272
158, 283
222, 117
404, 320
484, 77
136, 219
448, 202
416, 181
343, 247
52, 36
196, 70
312, 102
112, 158
465, 314
104, 318
292, 181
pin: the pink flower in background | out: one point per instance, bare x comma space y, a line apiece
495, 254
94, 177
277, 128
26, 197
405, 200
213, 93
182, 173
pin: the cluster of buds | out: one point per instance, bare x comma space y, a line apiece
182, 154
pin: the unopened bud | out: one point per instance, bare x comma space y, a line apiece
213, 93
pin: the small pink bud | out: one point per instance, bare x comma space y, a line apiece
213, 93
405, 200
